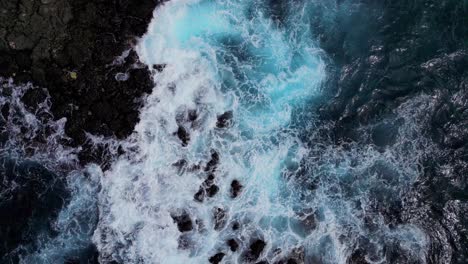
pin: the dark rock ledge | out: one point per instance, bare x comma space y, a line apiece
72, 48
81, 52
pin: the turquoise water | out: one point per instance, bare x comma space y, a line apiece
269, 66
260, 61
235, 105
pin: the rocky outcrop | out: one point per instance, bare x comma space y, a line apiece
81, 51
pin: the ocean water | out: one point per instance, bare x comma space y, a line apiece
230, 161
228, 110
48, 202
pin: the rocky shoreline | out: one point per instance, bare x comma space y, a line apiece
82, 53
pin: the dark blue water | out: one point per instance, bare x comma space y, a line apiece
233, 159
48, 203
260, 62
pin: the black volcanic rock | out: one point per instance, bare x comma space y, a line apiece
224, 120
183, 135
207, 188
236, 188
233, 245
183, 221
80, 51
219, 218
255, 250
213, 162
217, 258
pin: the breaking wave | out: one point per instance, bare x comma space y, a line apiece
50, 200
228, 164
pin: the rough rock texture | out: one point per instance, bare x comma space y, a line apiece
81, 52
381, 54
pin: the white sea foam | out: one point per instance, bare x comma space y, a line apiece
231, 56
74, 224
31, 132
30, 140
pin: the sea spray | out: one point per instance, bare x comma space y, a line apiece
245, 64
48, 201
233, 75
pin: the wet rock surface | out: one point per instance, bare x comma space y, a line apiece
79, 55
82, 53
233, 245
217, 258
236, 188
183, 135
219, 218
224, 120
207, 189
255, 250
183, 221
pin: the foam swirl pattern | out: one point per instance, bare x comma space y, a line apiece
217, 169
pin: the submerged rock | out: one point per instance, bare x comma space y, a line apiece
213, 163
208, 188
199, 195
217, 258
224, 120
212, 190
183, 221
219, 218
255, 250
233, 245
236, 188
183, 135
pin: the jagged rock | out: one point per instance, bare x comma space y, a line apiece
255, 250
68, 48
207, 188
183, 221
183, 135
212, 190
233, 245
236, 188
224, 120
213, 163
217, 258
219, 218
